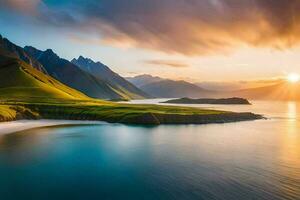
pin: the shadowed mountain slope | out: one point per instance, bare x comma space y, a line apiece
144, 79
71, 75
12, 50
103, 72
175, 89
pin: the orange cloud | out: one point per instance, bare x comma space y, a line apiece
190, 27
168, 63
24, 6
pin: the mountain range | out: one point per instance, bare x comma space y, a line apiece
103, 72
174, 89
86, 78
97, 81
71, 75
166, 88
144, 79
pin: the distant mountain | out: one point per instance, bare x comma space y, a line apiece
71, 75
221, 86
9, 48
280, 91
165, 88
20, 81
175, 89
237, 85
144, 79
103, 72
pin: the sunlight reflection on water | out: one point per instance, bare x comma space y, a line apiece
247, 160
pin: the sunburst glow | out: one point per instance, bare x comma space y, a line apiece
293, 78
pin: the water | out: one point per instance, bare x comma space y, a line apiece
245, 160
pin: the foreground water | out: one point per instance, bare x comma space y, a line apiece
246, 160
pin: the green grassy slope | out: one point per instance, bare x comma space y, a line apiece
14, 112
7, 113
19, 80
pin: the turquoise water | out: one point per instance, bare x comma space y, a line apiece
247, 160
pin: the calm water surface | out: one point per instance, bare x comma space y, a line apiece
246, 160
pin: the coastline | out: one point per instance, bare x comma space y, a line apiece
21, 125
135, 114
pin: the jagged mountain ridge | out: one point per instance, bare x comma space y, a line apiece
166, 88
175, 89
12, 50
143, 79
71, 75
103, 72
104, 84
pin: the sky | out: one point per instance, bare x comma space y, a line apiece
193, 40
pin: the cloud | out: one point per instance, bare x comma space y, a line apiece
190, 27
20, 5
239, 85
168, 63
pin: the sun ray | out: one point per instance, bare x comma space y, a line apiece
293, 77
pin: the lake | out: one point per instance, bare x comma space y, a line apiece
244, 160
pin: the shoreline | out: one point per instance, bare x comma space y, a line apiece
14, 126
22, 125
122, 113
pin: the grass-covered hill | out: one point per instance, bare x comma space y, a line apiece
20, 81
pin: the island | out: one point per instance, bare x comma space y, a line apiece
225, 101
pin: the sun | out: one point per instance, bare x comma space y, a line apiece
293, 78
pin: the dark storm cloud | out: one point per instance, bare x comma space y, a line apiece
193, 27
